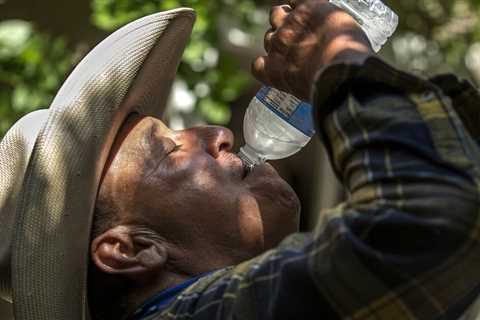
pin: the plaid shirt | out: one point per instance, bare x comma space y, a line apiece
404, 245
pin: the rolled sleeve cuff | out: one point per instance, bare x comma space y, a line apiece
334, 82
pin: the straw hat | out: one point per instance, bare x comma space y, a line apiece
51, 162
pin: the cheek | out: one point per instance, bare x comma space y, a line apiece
250, 224
192, 184
199, 172
276, 193
279, 207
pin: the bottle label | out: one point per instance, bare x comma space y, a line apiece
294, 111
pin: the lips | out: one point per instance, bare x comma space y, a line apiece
245, 169
233, 164
261, 172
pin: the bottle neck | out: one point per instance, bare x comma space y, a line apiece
250, 157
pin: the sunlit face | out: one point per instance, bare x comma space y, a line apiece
189, 187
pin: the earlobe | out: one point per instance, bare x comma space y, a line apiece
119, 251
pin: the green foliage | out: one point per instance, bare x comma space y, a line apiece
433, 36
32, 66
203, 62
444, 31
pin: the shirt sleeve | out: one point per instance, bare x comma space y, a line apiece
404, 245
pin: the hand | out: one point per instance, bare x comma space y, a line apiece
305, 36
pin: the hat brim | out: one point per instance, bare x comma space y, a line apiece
131, 70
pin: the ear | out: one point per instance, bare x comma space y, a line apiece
118, 251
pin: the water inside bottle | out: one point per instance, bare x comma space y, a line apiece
273, 127
377, 20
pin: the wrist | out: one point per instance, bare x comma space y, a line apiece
344, 40
348, 48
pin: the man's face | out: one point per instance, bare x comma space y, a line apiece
189, 188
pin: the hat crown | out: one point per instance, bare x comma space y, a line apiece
15, 151
50, 169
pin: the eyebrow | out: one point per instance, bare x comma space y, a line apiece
165, 152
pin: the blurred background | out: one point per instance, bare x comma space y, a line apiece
41, 41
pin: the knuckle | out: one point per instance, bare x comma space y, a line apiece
282, 40
274, 10
270, 32
299, 19
268, 37
258, 68
273, 14
278, 15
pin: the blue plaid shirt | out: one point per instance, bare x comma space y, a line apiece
404, 244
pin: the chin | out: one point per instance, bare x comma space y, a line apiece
274, 192
279, 207
286, 201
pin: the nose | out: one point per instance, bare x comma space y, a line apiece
216, 139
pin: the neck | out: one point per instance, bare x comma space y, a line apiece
143, 291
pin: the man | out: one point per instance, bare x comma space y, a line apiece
180, 232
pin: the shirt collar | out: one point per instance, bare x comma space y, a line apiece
160, 300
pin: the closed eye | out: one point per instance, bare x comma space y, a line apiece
175, 149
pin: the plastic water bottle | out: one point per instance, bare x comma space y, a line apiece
277, 124
377, 20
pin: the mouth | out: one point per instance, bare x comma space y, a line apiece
235, 165
247, 164
247, 169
